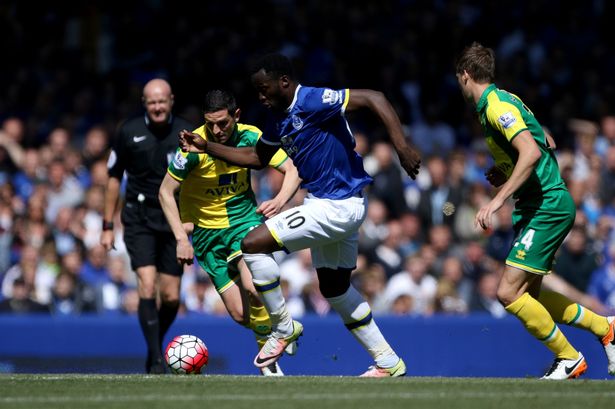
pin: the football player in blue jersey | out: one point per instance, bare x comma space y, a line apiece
309, 124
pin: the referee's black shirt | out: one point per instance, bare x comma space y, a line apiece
145, 152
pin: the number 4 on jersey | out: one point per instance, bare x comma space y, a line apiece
527, 239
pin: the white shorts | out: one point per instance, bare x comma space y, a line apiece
329, 228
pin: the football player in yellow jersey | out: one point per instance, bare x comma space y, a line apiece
217, 198
526, 169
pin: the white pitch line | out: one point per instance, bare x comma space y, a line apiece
308, 397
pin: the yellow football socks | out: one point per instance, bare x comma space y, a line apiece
564, 311
539, 323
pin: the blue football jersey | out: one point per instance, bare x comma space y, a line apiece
315, 134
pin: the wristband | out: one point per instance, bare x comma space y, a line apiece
107, 225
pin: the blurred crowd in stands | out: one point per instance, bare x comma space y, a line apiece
63, 93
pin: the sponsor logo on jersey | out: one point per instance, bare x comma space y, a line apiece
297, 122
228, 190
179, 162
138, 139
331, 97
288, 145
507, 120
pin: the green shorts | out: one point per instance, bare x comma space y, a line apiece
541, 224
218, 250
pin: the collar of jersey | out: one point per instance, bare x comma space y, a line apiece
483, 98
292, 104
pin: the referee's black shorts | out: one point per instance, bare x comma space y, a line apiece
149, 240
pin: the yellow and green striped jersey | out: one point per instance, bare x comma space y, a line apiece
503, 116
215, 194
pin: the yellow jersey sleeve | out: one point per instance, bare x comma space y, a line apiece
505, 117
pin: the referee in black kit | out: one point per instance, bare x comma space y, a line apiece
143, 147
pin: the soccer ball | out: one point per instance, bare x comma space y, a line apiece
186, 354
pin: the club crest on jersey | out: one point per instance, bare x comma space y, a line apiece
297, 122
179, 162
507, 119
331, 97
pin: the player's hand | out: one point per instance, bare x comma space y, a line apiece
188, 228
485, 214
410, 160
185, 252
191, 142
269, 208
107, 240
496, 176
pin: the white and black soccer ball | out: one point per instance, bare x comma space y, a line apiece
186, 354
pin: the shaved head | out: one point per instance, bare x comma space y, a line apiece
158, 101
157, 85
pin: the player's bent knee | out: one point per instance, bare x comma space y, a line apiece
333, 283
506, 297
258, 241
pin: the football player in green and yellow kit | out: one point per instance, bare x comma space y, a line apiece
217, 198
526, 168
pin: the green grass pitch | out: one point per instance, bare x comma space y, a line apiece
295, 392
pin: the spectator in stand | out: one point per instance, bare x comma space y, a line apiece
602, 281
431, 135
29, 175
475, 198
20, 302
37, 277
485, 299
478, 163
443, 246
95, 271
475, 261
455, 291
64, 189
374, 228
110, 293
388, 253
402, 305
415, 282
502, 235
298, 270
576, 260
585, 133
411, 234
371, 282
95, 145
6, 234
606, 137
440, 191
58, 142
388, 182
63, 231
11, 155
66, 299
607, 180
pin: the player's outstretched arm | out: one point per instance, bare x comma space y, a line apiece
376, 101
248, 157
166, 196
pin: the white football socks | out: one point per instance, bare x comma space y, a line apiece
357, 316
266, 278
